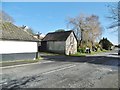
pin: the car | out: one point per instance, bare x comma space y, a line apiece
118, 52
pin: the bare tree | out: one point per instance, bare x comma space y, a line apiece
94, 28
78, 25
4, 17
87, 28
114, 15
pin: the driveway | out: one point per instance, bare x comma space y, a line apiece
59, 71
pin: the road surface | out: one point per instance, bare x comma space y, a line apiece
58, 71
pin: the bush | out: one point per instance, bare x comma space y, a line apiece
81, 50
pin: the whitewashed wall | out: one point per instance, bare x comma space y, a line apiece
71, 47
7, 47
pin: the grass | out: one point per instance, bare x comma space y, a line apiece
18, 62
92, 53
99, 51
79, 54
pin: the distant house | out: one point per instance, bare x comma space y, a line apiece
40, 37
60, 42
16, 44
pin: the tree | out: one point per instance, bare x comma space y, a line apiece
86, 28
114, 11
105, 43
114, 16
60, 30
94, 29
78, 25
4, 17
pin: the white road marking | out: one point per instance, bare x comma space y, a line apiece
48, 61
107, 69
25, 64
110, 55
62, 68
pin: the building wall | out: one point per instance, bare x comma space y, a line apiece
17, 50
71, 45
18, 56
56, 46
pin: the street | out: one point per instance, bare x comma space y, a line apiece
59, 71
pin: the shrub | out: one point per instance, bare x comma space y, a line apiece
81, 50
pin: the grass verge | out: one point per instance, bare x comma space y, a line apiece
92, 53
79, 54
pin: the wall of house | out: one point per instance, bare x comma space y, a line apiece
17, 50
71, 45
56, 46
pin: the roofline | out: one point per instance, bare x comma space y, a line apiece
57, 32
53, 40
74, 35
31, 36
61, 40
60, 32
18, 40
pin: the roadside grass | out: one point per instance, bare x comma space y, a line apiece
92, 53
78, 54
99, 51
18, 62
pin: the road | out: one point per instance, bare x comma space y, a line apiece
58, 71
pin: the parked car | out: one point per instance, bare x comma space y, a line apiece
87, 50
118, 52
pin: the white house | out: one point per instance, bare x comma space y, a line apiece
60, 42
16, 44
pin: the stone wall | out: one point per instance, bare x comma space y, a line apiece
18, 56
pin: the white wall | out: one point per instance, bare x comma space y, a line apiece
71, 47
7, 47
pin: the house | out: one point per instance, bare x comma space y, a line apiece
60, 42
40, 37
16, 44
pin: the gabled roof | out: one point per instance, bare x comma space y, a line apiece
12, 32
57, 36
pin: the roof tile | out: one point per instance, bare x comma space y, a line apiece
12, 32
57, 36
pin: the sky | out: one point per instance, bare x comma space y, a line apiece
45, 17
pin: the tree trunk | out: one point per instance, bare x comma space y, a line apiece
81, 37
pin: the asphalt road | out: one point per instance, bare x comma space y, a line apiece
99, 71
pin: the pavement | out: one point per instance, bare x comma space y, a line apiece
59, 71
